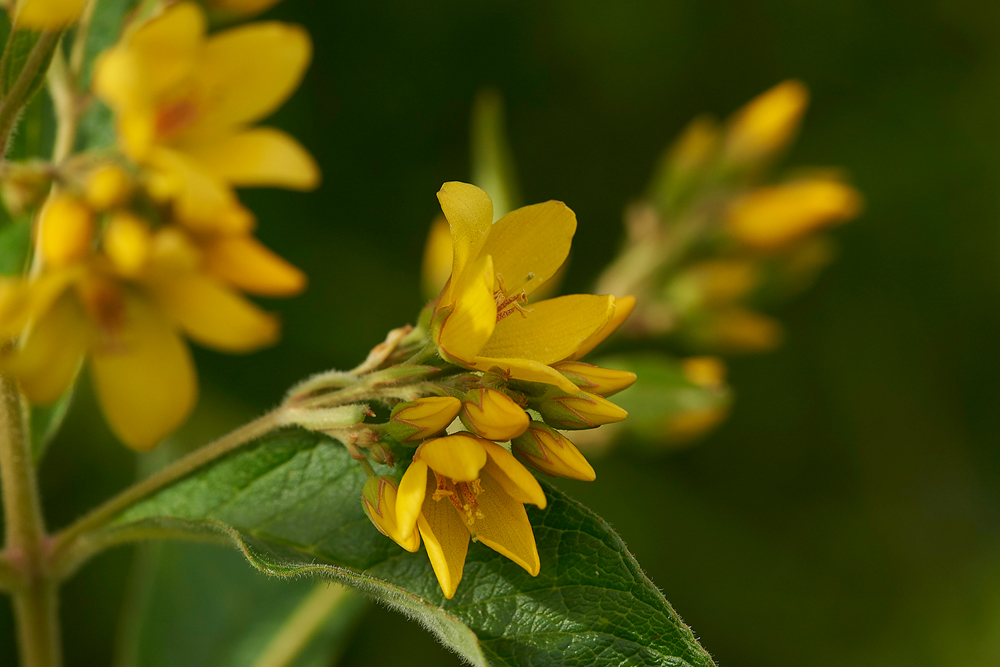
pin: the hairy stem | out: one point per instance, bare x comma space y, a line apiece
173, 472
17, 97
35, 595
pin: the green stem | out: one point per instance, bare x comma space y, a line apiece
301, 627
79, 50
17, 97
10, 578
63, 92
64, 540
35, 596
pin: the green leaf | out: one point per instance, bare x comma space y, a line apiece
45, 422
15, 244
291, 503
201, 606
492, 160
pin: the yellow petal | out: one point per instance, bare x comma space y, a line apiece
513, 477
624, 305
144, 377
50, 357
767, 123
153, 60
242, 261
458, 457
48, 14
473, 316
437, 258
505, 527
247, 72
213, 315
410, 497
203, 202
469, 212
256, 157
530, 244
21, 300
551, 330
526, 369
446, 537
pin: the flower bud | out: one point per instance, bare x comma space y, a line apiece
423, 418
771, 217
583, 410
548, 450
491, 414
107, 186
767, 123
738, 330
127, 242
378, 497
708, 372
594, 379
67, 229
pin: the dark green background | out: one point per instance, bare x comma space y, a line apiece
848, 512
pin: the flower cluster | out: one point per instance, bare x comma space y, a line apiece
510, 377
711, 239
137, 249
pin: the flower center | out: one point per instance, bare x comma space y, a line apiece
463, 496
507, 304
175, 117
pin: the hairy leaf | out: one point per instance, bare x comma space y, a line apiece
291, 503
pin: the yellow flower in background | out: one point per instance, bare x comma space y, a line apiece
482, 319
125, 299
767, 123
436, 268
458, 487
48, 14
772, 217
184, 102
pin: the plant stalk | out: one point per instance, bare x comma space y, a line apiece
35, 597
17, 97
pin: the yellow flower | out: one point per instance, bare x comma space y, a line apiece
481, 320
378, 497
772, 217
594, 379
461, 486
738, 330
491, 414
48, 14
184, 102
123, 300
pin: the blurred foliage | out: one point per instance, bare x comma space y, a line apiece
847, 513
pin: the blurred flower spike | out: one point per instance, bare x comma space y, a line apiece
136, 252
712, 242
184, 100
48, 14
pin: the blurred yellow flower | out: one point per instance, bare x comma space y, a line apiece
184, 102
122, 294
48, 14
461, 486
480, 319
771, 217
767, 123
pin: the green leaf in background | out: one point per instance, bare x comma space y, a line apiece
201, 606
15, 57
291, 503
15, 244
492, 159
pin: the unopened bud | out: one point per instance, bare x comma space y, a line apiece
578, 411
127, 242
771, 217
381, 452
107, 186
548, 450
491, 414
767, 123
67, 230
423, 418
378, 497
708, 372
594, 379
738, 330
